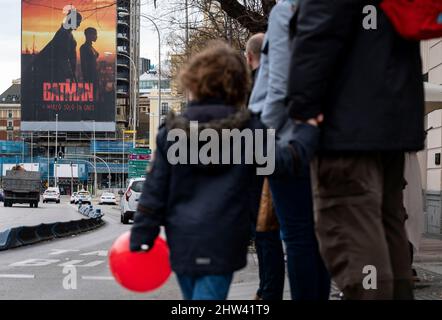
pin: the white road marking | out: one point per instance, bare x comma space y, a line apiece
34, 263
97, 278
99, 253
17, 276
61, 251
76, 263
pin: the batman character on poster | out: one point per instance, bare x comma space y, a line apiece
68, 60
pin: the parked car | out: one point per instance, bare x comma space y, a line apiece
84, 197
51, 195
129, 201
73, 196
107, 198
56, 189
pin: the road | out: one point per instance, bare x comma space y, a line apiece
36, 272
22, 215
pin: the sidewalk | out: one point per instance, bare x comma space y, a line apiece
428, 263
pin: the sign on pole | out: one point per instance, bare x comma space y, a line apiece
139, 162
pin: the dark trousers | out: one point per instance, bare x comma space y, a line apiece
308, 277
271, 265
360, 222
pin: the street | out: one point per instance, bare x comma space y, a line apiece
36, 272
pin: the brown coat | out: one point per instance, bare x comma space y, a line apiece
267, 220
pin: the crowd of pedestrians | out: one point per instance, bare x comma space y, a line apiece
346, 107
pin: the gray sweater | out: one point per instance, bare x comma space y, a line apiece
270, 90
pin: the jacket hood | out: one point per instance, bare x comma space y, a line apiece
214, 116
209, 116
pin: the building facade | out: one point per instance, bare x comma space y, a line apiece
145, 65
430, 158
10, 113
128, 61
171, 100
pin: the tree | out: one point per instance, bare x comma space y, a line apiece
252, 15
231, 20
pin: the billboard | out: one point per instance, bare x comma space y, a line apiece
66, 170
68, 65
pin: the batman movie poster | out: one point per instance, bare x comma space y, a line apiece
68, 63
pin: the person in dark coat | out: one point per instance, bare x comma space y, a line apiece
366, 85
268, 244
205, 208
89, 56
57, 62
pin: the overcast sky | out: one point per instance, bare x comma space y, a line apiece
10, 40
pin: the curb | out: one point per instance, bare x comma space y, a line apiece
23, 236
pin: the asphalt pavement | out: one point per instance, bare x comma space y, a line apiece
36, 272
44, 270
23, 215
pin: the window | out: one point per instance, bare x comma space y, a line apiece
10, 114
137, 186
10, 136
118, 111
164, 108
10, 124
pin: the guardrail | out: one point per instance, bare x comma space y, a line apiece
22, 236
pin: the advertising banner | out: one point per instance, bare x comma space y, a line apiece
68, 64
66, 170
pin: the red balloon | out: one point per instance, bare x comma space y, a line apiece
139, 271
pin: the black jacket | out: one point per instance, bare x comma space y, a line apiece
206, 209
367, 83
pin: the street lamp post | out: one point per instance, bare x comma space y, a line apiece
95, 161
23, 151
32, 147
159, 64
122, 176
49, 164
56, 151
95, 166
72, 179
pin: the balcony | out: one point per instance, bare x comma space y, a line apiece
122, 9
122, 49
123, 90
123, 36
123, 76
123, 23
123, 65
